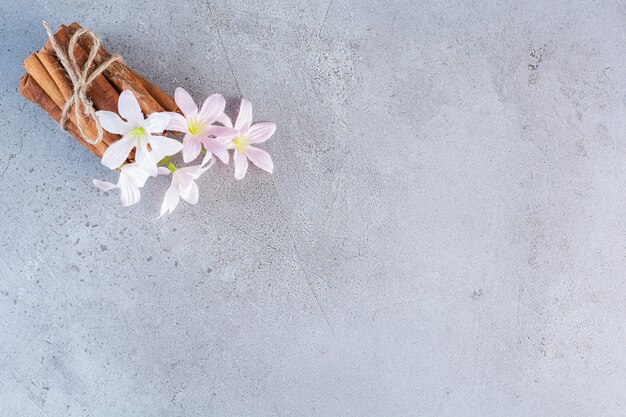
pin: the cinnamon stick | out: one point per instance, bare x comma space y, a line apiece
50, 85
39, 73
35, 93
60, 77
121, 77
103, 95
166, 101
56, 71
163, 99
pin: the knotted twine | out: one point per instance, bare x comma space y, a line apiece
81, 78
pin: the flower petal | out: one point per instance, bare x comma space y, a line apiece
129, 195
214, 130
177, 123
163, 146
244, 119
191, 194
145, 160
212, 108
241, 165
260, 132
157, 122
111, 122
191, 148
227, 141
208, 159
170, 201
224, 119
117, 152
185, 103
216, 148
163, 171
129, 192
128, 108
135, 174
183, 178
104, 185
200, 169
260, 158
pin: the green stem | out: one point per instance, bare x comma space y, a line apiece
164, 161
167, 163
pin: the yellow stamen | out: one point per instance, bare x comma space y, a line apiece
196, 127
138, 133
241, 143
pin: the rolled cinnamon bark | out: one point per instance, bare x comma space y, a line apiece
39, 73
159, 95
51, 86
60, 77
120, 76
164, 100
56, 71
35, 93
48, 85
103, 95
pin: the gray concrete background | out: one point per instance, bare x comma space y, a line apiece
445, 233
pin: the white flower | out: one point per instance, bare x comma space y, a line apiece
183, 184
247, 135
132, 178
197, 125
138, 133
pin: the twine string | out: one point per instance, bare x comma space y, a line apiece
81, 79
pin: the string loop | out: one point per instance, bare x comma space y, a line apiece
81, 78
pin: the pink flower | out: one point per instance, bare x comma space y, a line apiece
197, 125
246, 135
183, 184
138, 133
132, 178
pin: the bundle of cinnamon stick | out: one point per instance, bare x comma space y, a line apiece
46, 83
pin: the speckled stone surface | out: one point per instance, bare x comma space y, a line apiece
444, 235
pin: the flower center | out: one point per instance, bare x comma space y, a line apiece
138, 133
195, 126
241, 143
